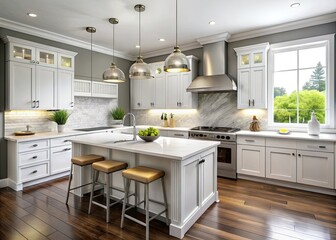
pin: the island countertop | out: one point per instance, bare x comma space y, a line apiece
174, 148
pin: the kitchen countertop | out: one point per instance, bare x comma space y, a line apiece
292, 135
173, 148
165, 128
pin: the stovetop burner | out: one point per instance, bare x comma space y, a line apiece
215, 129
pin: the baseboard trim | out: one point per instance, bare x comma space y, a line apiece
3, 183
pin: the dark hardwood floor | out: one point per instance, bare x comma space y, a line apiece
247, 210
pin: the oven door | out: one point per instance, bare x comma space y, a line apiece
227, 160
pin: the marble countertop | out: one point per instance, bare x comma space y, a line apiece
173, 148
291, 135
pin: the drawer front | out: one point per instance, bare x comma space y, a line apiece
257, 141
281, 143
34, 172
60, 159
316, 146
178, 134
55, 142
33, 157
33, 145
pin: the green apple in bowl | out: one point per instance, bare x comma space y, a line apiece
150, 134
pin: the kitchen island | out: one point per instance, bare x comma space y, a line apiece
190, 167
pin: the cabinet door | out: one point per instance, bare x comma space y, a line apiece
104, 90
160, 91
46, 88
244, 88
207, 177
281, 164
21, 53
244, 60
172, 90
136, 94
66, 62
65, 90
251, 160
315, 168
148, 93
185, 97
258, 58
258, 88
22, 86
46, 58
60, 159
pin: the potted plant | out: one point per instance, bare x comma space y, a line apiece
60, 117
117, 114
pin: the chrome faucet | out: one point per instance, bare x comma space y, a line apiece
134, 128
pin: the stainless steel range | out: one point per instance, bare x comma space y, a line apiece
227, 150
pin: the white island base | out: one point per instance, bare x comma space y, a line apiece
190, 167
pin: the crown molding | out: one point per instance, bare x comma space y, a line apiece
284, 27
214, 38
164, 51
20, 27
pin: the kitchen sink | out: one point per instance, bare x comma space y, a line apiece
93, 129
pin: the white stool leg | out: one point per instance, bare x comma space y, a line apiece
147, 210
92, 189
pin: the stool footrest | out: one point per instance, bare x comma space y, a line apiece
80, 186
135, 220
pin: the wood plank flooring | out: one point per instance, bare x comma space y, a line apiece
247, 210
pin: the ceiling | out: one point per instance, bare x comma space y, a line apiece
69, 18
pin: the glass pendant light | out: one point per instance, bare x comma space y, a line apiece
113, 74
140, 70
176, 61
91, 30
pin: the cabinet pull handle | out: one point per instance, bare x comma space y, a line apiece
37, 62
178, 134
66, 141
177, 103
33, 61
202, 161
293, 154
249, 102
38, 103
299, 155
34, 157
322, 147
253, 102
72, 104
249, 140
66, 149
34, 104
33, 172
138, 104
35, 145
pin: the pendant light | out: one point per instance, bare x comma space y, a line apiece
176, 61
140, 70
113, 74
91, 30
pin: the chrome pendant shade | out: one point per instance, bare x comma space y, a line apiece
176, 61
140, 70
113, 74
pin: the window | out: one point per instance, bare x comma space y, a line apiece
301, 80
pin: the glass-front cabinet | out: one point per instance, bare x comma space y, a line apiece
252, 59
65, 62
21, 53
46, 58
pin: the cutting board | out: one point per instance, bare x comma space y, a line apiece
24, 133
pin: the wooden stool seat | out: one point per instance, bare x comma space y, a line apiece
81, 161
109, 166
86, 159
143, 174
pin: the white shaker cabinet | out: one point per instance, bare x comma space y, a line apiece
136, 94
252, 76
251, 156
65, 87
60, 155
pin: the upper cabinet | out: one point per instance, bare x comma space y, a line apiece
165, 90
40, 77
86, 88
252, 76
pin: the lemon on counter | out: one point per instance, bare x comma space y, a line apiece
283, 130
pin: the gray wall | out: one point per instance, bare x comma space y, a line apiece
3, 162
82, 63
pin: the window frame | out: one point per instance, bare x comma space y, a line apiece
306, 43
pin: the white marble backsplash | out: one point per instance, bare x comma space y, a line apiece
88, 112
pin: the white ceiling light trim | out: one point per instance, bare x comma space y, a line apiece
38, 32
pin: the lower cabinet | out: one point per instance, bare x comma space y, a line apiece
251, 160
60, 156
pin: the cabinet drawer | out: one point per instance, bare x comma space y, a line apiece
281, 143
34, 172
316, 146
257, 141
60, 159
33, 145
55, 142
33, 157
178, 134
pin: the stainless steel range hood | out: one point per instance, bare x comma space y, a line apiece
215, 78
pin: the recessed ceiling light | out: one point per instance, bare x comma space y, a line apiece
212, 23
295, 5
162, 39
32, 14
137, 46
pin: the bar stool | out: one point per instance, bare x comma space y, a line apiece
108, 167
144, 175
81, 161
